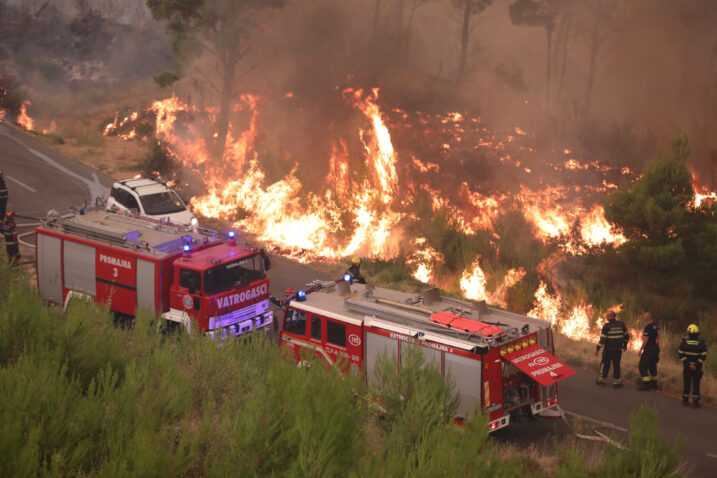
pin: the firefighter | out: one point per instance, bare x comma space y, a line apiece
11, 242
693, 353
649, 354
355, 270
614, 338
3, 197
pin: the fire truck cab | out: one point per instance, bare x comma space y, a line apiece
501, 362
184, 274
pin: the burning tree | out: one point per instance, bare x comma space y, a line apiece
671, 243
468, 8
221, 29
537, 13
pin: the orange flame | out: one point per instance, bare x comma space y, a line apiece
574, 322
423, 260
702, 194
473, 284
24, 119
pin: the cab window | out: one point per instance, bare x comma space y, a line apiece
335, 333
227, 276
315, 327
295, 322
190, 279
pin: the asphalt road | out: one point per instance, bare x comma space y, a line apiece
580, 396
40, 179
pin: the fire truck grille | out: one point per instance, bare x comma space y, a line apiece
222, 321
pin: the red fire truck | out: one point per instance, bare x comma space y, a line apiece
184, 274
502, 362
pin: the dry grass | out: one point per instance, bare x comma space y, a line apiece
669, 369
77, 131
113, 156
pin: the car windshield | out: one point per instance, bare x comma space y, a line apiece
162, 203
233, 274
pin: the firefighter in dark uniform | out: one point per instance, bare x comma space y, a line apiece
355, 271
3, 197
693, 353
12, 247
649, 354
614, 338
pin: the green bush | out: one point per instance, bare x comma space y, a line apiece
646, 455
158, 160
80, 397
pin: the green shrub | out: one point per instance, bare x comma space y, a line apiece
158, 160
81, 397
646, 455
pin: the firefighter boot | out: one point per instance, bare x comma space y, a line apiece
600, 381
686, 401
653, 384
617, 383
645, 385
696, 403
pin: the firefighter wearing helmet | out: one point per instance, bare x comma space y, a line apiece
693, 353
11, 241
3, 196
355, 271
614, 338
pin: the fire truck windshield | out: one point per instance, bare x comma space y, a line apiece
162, 203
233, 274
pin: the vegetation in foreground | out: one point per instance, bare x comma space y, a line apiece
80, 397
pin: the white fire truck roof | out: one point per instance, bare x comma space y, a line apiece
140, 234
478, 325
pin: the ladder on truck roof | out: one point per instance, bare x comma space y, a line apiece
157, 225
97, 232
429, 320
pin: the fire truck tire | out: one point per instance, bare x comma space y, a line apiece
123, 321
171, 329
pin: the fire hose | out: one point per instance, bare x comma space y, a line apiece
599, 436
29, 233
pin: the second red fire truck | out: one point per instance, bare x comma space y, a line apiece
501, 362
185, 275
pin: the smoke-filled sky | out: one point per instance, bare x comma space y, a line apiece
654, 68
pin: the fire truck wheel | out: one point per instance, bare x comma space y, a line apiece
123, 321
169, 328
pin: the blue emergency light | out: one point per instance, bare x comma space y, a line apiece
301, 295
231, 240
186, 248
347, 277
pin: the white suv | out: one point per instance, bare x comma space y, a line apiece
149, 198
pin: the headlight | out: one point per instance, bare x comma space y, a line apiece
194, 221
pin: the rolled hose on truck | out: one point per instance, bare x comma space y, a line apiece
28, 233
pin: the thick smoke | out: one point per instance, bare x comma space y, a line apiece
653, 64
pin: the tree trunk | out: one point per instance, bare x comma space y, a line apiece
225, 106
549, 33
374, 56
707, 100
376, 13
591, 71
566, 35
400, 7
465, 32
